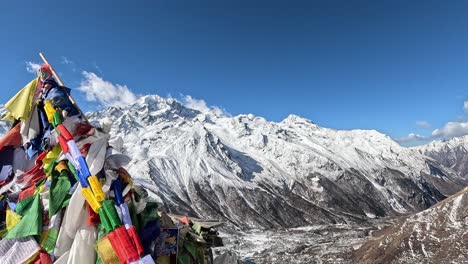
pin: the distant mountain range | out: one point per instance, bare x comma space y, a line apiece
451, 153
251, 172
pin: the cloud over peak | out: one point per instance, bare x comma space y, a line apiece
201, 106
104, 92
410, 138
451, 129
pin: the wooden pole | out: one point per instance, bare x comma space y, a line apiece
52, 69
61, 84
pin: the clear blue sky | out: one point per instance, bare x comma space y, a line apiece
380, 65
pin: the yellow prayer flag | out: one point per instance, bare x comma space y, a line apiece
20, 105
106, 251
50, 157
12, 219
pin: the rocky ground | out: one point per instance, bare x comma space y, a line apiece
436, 235
314, 244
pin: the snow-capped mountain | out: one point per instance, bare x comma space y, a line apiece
451, 153
255, 173
436, 235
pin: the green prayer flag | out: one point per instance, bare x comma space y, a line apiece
99, 260
31, 223
192, 249
149, 214
108, 207
59, 187
105, 221
49, 241
183, 259
134, 216
24, 204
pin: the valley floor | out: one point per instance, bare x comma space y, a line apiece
313, 244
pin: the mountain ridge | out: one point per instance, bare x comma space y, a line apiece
241, 168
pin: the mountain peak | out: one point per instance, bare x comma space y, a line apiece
150, 99
295, 119
155, 104
456, 141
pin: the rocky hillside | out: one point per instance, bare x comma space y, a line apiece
436, 235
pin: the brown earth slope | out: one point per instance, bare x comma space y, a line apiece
436, 235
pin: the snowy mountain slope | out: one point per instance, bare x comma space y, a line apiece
451, 153
4, 126
436, 235
256, 173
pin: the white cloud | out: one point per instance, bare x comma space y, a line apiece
65, 60
105, 92
451, 129
411, 137
32, 67
201, 106
423, 124
196, 104
465, 106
